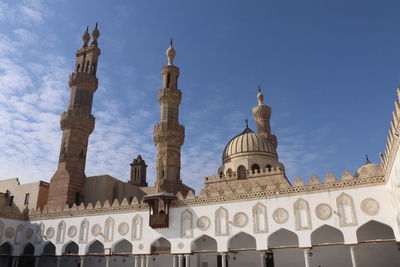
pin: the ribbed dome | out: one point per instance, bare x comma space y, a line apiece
369, 170
248, 142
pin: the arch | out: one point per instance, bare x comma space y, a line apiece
87, 66
137, 223
345, 207
95, 247
78, 67
161, 246
71, 248
18, 234
268, 167
49, 249
260, 223
84, 231
283, 237
109, 229
302, 214
122, 247
186, 224
241, 172
242, 240
229, 173
255, 168
60, 232
204, 242
29, 249
374, 230
221, 222
6, 249
326, 234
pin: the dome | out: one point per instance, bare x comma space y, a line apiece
246, 143
369, 170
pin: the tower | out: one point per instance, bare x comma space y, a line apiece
77, 123
262, 114
169, 134
138, 172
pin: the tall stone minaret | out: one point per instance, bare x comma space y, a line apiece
169, 135
262, 114
77, 123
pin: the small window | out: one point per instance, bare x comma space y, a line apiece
26, 201
268, 167
10, 201
255, 168
241, 172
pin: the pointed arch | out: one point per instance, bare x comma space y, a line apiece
326, 234
18, 234
6, 249
95, 247
122, 247
186, 224
302, 215
260, 223
84, 231
221, 222
109, 229
345, 207
242, 240
29, 249
255, 168
373, 230
161, 246
241, 172
60, 232
137, 223
71, 248
204, 242
283, 237
49, 249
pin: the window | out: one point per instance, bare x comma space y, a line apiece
10, 201
26, 201
241, 172
255, 168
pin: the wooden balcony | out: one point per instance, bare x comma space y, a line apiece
159, 221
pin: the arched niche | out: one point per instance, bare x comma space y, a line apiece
221, 222
204, 243
374, 230
283, 237
84, 231
29, 249
109, 229
71, 248
260, 224
326, 234
6, 249
302, 214
186, 224
241, 172
161, 246
242, 241
60, 232
122, 247
95, 247
255, 168
49, 249
137, 223
345, 207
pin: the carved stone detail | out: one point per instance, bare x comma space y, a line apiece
323, 211
96, 229
203, 223
50, 232
123, 228
240, 219
181, 245
370, 206
72, 230
280, 215
345, 206
10, 232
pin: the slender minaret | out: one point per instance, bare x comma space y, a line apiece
169, 135
262, 114
77, 123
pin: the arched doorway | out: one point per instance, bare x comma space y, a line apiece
204, 250
6, 254
162, 249
377, 246
121, 252
27, 259
95, 253
284, 245
48, 257
70, 256
242, 248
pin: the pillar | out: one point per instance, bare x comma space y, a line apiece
137, 263
262, 258
174, 261
187, 260
107, 261
353, 256
148, 257
180, 262
37, 261
82, 261
306, 252
59, 260
15, 261
142, 261
223, 259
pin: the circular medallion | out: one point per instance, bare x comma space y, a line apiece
280, 215
123, 228
50, 232
96, 229
370, 206
240, 219
9, 232
141, 247
72, 231
203, 223
180, 245
29, 233
323, 211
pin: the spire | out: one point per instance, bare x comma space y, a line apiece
170, 53
86, 37
247, 123
95, 35
260, 96
367, 159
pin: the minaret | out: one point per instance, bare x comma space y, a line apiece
169, 135
77, 123
138, 172
262, 114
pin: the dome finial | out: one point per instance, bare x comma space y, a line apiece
170, 53
366, 159
260, 96
95, 35
86, 37
247, 123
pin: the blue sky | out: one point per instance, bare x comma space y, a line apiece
328, 69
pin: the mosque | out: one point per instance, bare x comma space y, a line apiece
248, 214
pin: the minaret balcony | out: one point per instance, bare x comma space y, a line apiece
71, 119
83, 80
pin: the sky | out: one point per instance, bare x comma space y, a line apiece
328, 69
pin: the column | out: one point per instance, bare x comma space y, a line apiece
107, 261
142, 261
262, 258
37, 258
306, 252
187, 260
15, 261
174, 261
353, 256
223, 259
82, 261
137, 263
59, 260
148, 257
180, 262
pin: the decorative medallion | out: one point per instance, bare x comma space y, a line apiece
9, 232
240, 219
50, 232
323, 211
141, 247
96, 229
29, 233
370, 206
280, 215
180, 245
123, 228
203, 223
72, 230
